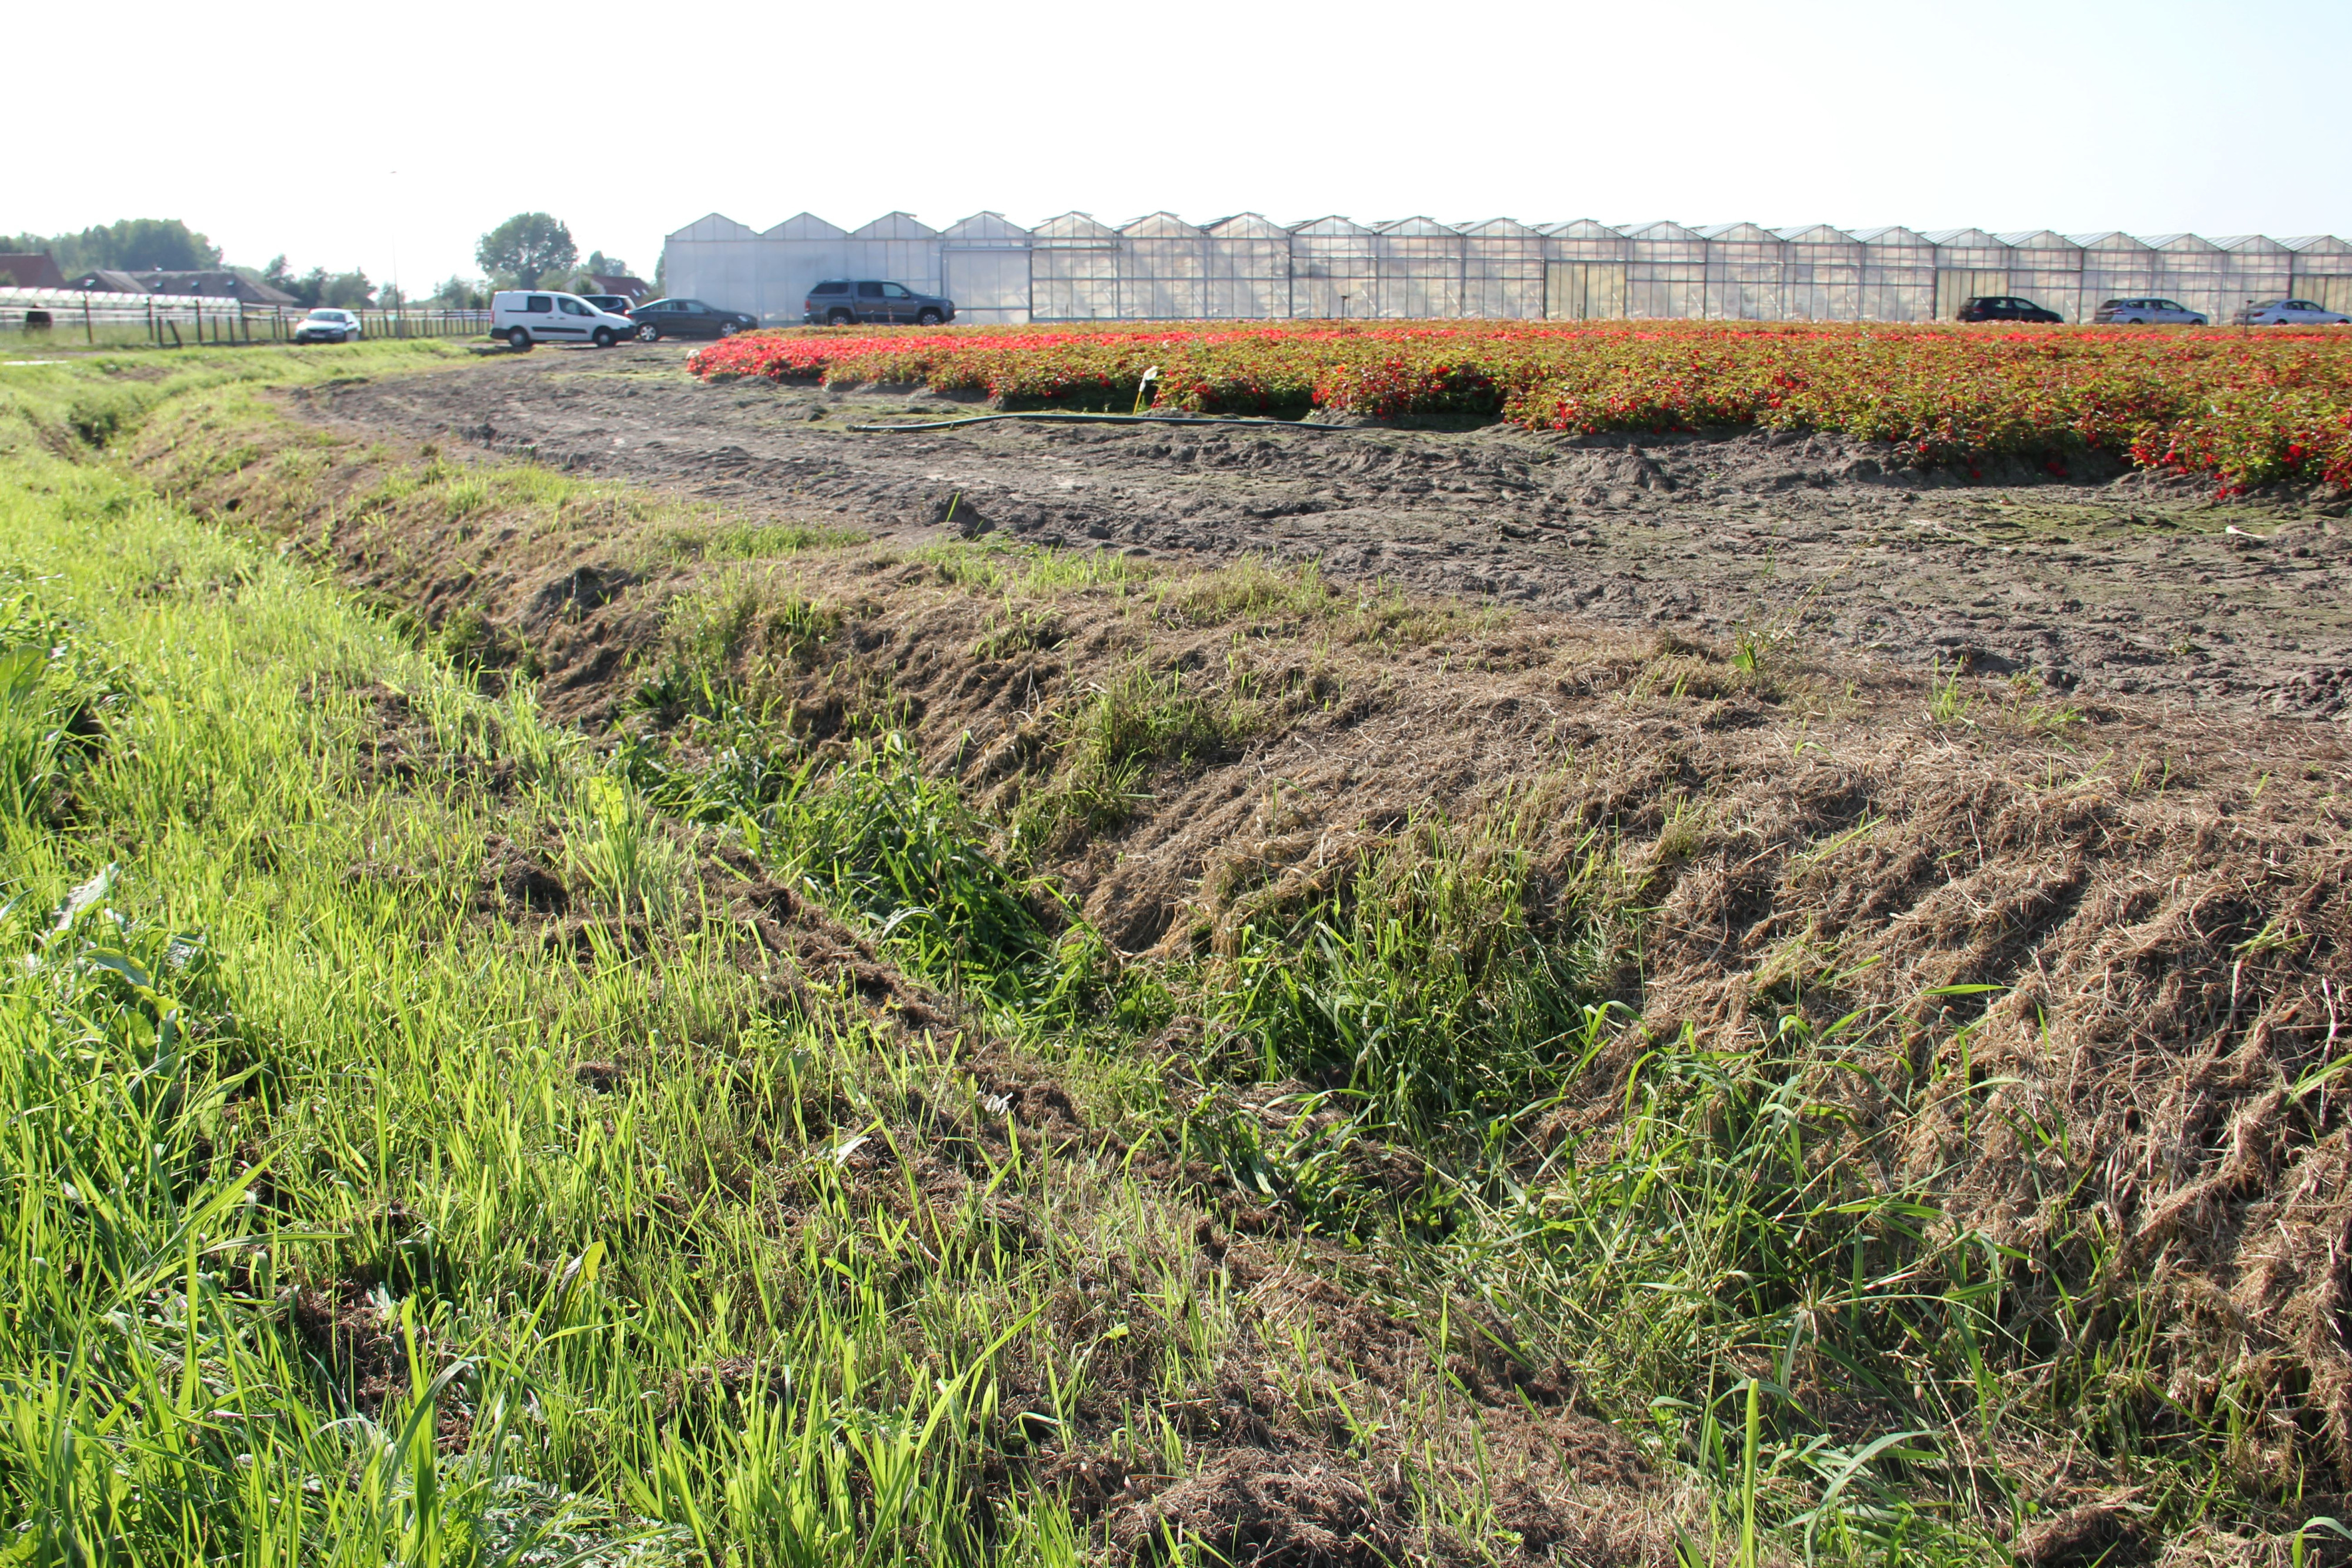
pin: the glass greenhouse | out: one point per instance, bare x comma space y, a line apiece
1248, 267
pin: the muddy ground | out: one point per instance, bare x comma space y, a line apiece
2101, 582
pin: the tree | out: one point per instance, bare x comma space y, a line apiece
347, 290
134, 245
461, 294
526, 248
603, 265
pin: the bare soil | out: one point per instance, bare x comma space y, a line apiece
2098, 580
2142, 851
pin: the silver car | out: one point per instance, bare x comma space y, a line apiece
2289, 313
2145, 312
326, 325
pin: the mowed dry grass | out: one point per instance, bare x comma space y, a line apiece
2077, 970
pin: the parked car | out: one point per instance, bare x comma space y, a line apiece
613, 304
659, 319
524, 317
2005, 307
2289, 313
2147, 312
839, 301
329, 326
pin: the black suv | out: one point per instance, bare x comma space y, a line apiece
2005, 307
839, 301
659, 319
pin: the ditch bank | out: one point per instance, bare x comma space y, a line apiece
2063, 974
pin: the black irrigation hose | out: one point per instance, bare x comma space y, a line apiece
1100, 419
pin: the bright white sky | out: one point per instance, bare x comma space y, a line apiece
2145, 116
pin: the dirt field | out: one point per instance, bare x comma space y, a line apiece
2118, 924
2100, 582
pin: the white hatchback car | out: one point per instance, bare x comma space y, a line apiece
2290, 313
524, 317
326, 325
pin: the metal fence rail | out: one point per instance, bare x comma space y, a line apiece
93, 319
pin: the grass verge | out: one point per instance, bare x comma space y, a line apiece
733, 1147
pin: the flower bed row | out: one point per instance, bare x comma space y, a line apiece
2247, 408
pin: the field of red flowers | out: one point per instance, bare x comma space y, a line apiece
2247, 408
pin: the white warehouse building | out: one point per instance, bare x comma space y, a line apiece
1247, 267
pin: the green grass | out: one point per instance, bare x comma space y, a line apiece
270, 1089
359, 1215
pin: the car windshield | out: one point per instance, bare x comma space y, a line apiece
326, 316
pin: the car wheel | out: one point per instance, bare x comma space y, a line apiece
728, 328
602, 337
648, 333
926, 317
839, 318
519, 340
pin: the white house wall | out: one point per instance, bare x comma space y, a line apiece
1246, 268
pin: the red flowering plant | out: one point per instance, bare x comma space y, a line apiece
2248, 409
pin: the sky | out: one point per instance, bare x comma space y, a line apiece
394, 149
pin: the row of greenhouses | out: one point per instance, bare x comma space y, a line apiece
1248, 267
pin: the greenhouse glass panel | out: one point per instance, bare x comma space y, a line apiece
1898, 275
1248, 262
1502, 271
1665, 274
984, 268
1744, 280
1334, 272
715, 258
2192, 272
1073, 270
2254, 268
2046, 268
1822, 274
2115, 266
1969, 264
1420, 263
1163, 270
793, 256
896, 247
2322, 271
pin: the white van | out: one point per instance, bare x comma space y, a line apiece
525, 317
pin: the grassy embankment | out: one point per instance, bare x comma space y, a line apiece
420, 1148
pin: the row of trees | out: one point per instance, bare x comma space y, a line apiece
134, 245
529, 250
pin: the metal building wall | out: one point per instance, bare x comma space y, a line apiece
1248, 260
1502, 271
